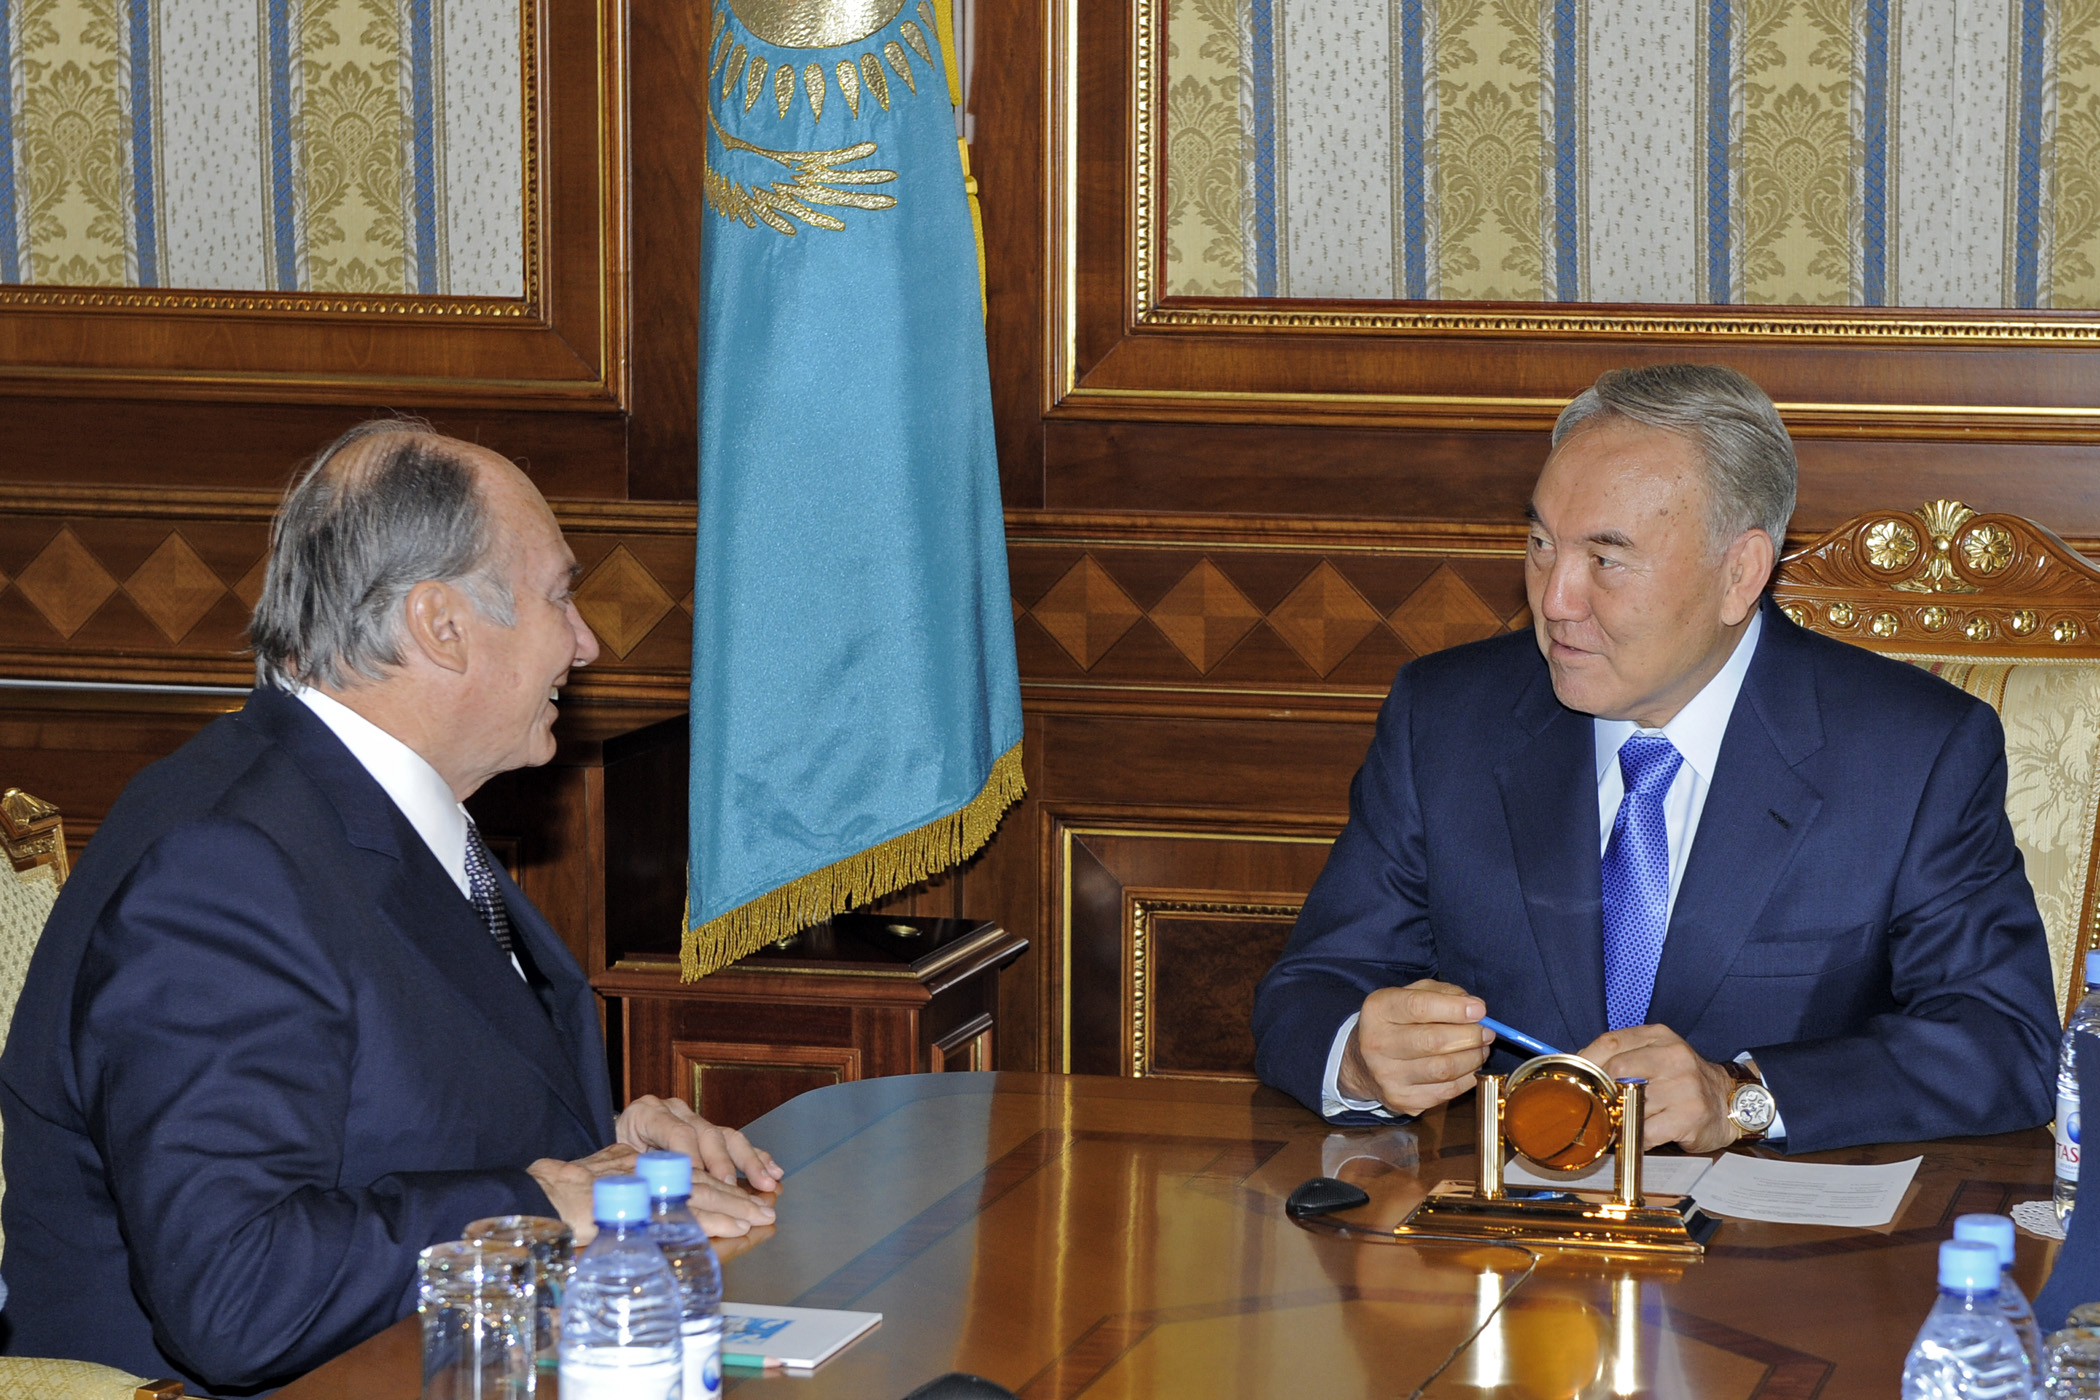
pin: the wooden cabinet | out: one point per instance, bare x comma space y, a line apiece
862, 996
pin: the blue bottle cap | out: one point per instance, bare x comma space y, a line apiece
1969, 1266
624, 1200
1994, 1230
2092, 970
671, 1173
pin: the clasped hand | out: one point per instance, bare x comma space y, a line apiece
651, 1124
1417, 1046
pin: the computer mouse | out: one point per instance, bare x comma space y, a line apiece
961, 1385
1324, 1195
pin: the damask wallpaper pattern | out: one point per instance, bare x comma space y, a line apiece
263, 145
1835, 152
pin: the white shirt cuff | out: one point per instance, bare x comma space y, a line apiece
1332, 1101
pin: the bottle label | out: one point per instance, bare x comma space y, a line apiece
703, 1359
621, 1373
2066, 1138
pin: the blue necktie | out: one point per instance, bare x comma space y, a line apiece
1637, 880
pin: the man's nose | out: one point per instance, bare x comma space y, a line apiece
1563, 598
586, 640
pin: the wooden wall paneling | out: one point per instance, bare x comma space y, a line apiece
1236, 877
667, 73
1015, 158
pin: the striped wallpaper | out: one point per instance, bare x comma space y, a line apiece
370, 146
1941, 153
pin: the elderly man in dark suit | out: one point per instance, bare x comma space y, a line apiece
1768, 872
289, 1023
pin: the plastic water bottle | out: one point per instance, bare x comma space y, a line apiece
2084, 1017
1967, 1349
1997, 1232
692, 1259
619, 1318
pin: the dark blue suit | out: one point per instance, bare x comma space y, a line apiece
1853, 911
265, 1054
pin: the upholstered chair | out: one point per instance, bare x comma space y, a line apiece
34, 843
2004, 609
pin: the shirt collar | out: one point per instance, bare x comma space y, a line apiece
406, 776
1697, 730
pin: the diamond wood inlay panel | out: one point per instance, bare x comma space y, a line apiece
65, 583
622, 601
1204, 616
249, 589
1443, 612
1324, 618
137, 587
1086, 611
174, 588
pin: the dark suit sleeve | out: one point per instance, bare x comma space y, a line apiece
214, 1046
1364, 926
1971, 1045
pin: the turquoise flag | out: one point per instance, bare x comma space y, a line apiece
856, 709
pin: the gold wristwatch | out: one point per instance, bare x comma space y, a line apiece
1751, 1107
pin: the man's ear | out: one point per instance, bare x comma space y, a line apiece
436, 614
1746, 569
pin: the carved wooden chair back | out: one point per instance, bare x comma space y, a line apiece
2001, 607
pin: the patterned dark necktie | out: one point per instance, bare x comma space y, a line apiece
488, 900
1637, 880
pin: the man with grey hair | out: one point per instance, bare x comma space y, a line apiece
289, 1023
1765, 871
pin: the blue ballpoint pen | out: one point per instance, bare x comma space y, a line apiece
1517, 1037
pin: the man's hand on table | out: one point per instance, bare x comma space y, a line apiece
1415, 1047
722, 1208
1687, 1096
568, 1185
651, 1124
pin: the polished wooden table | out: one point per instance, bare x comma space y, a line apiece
1071, 1235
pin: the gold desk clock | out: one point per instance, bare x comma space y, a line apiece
1563, 1113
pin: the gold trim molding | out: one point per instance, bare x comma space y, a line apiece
1143, 907
256, 301
1146, 256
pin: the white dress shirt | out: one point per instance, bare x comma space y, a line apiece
406, 776
1695, 732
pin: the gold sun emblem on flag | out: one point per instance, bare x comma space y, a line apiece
743, 73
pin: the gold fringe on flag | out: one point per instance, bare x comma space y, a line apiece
870, 874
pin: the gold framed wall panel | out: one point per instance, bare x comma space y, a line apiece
1117, 350
562, 345
1198, 993
1105, 864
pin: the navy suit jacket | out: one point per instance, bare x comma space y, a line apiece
267, 1052
1854, 911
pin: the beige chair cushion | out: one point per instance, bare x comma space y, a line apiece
25, 902
2051, 714
37, 1378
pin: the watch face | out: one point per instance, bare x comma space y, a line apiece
1752, 1107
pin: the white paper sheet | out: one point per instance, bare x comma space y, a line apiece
1660, 1175
1804, 1193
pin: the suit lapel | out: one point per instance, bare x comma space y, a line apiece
569, 999
1549, 798
430, 915
1758, 812
419, 902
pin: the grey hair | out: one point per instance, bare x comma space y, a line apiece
353, 537
1750, 468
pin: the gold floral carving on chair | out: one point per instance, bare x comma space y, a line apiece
1999, 606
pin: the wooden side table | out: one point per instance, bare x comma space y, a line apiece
862, 996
